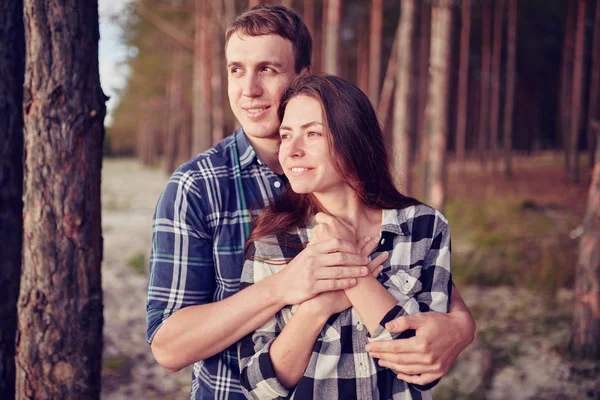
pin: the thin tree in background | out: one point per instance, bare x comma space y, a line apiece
438, 102
252, 3
566, 77
362, 63
484, 110
511, 58
202, 132
594, 101
577, 95
387, 90
175, 100
308, 15
403, 101
59, 349
495, 82
375, 28
586, 318
12, 68
218, 79
331, 36
463, 81
422, 140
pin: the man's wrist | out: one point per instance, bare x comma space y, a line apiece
311, 310
464, 325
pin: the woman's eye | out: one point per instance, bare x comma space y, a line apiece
312, 133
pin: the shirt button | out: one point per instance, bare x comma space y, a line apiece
362, 367
382, 241
359, 327
277, 184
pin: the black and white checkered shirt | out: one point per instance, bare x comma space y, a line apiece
417, 274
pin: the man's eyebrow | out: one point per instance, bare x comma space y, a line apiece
304, 126
262, 63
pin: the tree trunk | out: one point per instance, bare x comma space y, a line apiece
387, 90
577, 95
218, 79
422, 140
403, 101
59, 349
375, 50
251, 3
495, 82
309, 18
12, 68
486, 20
202, 133
332, 36
511, 56
362, 63
175, 104
438, 102
463, 81
586, 315
594, 102
566, 84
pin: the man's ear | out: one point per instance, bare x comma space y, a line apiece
306, 70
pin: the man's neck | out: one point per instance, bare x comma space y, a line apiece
267, 150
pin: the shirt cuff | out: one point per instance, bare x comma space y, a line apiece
259, 379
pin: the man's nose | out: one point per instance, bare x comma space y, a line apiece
251, 86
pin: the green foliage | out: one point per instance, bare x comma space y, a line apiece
138, 262
113, 364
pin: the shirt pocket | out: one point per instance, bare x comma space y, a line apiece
404, 280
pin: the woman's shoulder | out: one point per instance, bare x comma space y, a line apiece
421, 217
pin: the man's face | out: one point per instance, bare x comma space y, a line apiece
259, 69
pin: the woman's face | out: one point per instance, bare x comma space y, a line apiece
304, 152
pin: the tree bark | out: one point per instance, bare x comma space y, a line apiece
375, 28
463, 81
403, 100
202, 132
577, 94
218, 79
438, 102
495, 82
486, 20
422, 140
387, 90
59, 349
362, 63
12, 68
509, 103
566, 84
594, 102
175, 103
332, 37
586, 315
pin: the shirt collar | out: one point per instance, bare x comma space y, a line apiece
246, 152
395, 221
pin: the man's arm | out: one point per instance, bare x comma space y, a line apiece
438, 341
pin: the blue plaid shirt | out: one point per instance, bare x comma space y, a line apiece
201, 223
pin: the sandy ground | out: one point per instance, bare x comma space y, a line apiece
519, 352
129, 194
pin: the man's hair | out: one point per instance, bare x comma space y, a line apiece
275, 20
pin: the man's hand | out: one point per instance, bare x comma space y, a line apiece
428, 355
330, 265
329, 227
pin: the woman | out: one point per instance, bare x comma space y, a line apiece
333, 155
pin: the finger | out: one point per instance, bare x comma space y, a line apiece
329, 285
322, 218
335, 245
405, 322
422, 379
340, 272
369, 246
411, 359
377, 271
406, 369
393, 346
362, 242
377, 261
342, 258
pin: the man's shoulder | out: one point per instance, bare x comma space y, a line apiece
217, 157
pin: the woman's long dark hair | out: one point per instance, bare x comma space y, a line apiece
357, 150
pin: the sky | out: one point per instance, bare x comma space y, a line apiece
112, 52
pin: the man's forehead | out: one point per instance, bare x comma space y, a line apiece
268, 47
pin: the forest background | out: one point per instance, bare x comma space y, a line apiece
491, 112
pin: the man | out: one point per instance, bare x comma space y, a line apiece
195, 312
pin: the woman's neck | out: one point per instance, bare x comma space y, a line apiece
345, 205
